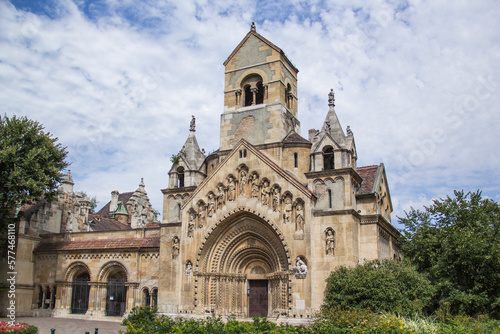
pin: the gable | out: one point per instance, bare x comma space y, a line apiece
240, 166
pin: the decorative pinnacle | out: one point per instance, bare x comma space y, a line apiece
192, 125
252, 27
331, 98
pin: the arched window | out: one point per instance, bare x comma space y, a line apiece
248, 96
146, 298
154, 297
253, 89
330, 199
259, 97
289, 96
180, 177
295, 160
328, 158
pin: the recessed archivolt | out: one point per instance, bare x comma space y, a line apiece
223, 247
110, 269
75, 269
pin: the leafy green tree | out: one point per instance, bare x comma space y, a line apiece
31, 162
386, 285
457, 242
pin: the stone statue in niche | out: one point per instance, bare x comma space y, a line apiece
231, 189
265, 193
211, 205
299, 217
191, 224
288, 209
175, 247
255, 185
243, 182
276, 198
300, 267
330, 242
202, 215
220, 197
69, 222
189, 268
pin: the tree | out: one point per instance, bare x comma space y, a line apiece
457, 242
31, 162
386, 285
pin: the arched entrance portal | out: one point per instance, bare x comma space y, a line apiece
80, 293
115, 276
242, 268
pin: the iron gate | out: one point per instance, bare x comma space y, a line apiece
116, 298
80, 296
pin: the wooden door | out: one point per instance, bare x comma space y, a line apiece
258, 298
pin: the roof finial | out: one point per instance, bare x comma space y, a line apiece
331, 98
253, 27
192, 125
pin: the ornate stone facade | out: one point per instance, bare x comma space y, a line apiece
252, 229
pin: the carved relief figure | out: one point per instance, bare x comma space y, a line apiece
243, 182
231, 189
220, 197
276, 198
211, 205
175, 247
300, 267
330, 242
288, 209
299, 217
265, 193
255, 185
189, 268
191, 222
202, 215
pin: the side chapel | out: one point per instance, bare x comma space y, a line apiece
252, 229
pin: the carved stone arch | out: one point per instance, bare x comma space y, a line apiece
250, 72
75, 269
110, 269
241, 240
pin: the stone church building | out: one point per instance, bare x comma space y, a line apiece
252, 229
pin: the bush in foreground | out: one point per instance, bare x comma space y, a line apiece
388, 285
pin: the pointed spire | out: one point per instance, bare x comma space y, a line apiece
141, 188
332, 125
67, 183
68, 178
191, 151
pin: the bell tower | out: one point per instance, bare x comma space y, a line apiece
260, 94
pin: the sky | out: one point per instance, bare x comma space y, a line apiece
116, 81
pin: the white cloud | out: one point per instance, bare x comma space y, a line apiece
118, 81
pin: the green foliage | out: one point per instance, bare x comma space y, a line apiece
379, 286
174, 158
30, 163
356, 320
457, 242
144, 320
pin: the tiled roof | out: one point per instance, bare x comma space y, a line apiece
368, 174
125, 197
99, 244
294, 137
99, 223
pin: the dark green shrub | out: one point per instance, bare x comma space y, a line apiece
379, 286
